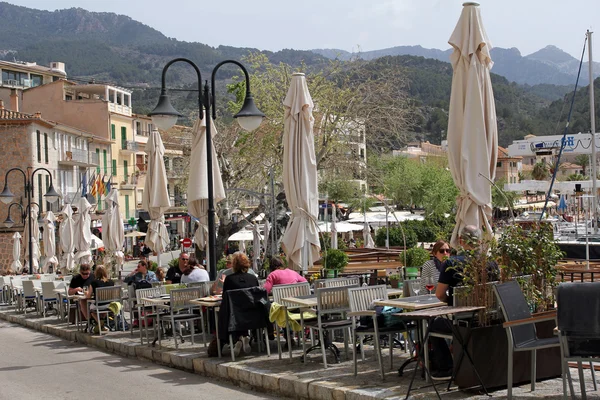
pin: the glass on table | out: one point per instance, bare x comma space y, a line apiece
429, 285
416, 287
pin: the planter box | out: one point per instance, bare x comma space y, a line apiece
488, 347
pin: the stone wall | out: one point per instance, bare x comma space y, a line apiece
16, 151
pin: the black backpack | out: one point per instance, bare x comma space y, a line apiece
143, 284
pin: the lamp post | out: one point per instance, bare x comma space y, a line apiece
164, 116
7, 197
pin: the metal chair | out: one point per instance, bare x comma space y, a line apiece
337, 282
181, 310
100, 304
47, 296
361, 305
143, 306
280, 292
28, 294
520, 328
251, 304
334, 304
578, 330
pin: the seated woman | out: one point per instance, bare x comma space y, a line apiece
194, 272
430, 271
101, 280
239, 279
281, 275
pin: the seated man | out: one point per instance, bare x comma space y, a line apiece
141, 273
80, 281
174, 273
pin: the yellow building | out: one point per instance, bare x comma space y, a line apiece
104, 111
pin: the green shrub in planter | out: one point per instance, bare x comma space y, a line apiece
415, 257
153, 266
335, 259
396, 238
174, 263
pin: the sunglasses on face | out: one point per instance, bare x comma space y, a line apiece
444, 251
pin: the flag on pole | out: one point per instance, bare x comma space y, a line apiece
101, 185
84, 184
94, 190
107, 186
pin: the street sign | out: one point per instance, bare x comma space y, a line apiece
187, 242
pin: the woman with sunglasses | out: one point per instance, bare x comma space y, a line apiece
432, 268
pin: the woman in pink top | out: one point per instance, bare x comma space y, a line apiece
281, 275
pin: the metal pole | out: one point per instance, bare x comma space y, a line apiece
211, 253
29, 189
593, 132
273, 214
387, 227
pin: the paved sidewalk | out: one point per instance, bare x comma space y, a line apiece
279, 377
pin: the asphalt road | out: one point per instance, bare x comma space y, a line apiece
37, 366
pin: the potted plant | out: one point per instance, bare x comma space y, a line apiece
415, 257
529, 256
335, 261
394, 280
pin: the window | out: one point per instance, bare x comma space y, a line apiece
39, 146
138, 128
113, 135
125, 170
105, 166
166, 159
13, 77
46, 147
114, 167
68, 97
98, 159
123, 138
499, 164
36, 80
48, 205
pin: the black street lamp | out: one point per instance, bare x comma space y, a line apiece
7, 197
164, 116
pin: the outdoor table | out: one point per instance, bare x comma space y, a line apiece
310, 301
214, 303
160, 301
413, 303
62, 295
428, 315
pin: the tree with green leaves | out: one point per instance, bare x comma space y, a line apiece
540, 171
584, 161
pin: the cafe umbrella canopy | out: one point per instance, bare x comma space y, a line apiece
113, 231
67, 241
472, 128
155, 198
83, 232
301, 239
33, 215
197, 193
16, 264
49, 238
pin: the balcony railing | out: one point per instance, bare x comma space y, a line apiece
129, 145
120, 109
142, 133
79, 157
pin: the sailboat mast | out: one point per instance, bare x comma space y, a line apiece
593, 132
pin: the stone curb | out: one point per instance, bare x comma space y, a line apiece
238, 374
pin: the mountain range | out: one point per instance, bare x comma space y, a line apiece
549, 65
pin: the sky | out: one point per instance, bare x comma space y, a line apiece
352, 25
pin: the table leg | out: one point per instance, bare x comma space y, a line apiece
426, 350
217, 332
463, 344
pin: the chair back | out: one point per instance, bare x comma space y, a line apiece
59, 284
156, 284
48, 291
578, 322
16, 282
172, 286
280, 292
514, 307
47, 277
37, 283
180, 298
333, 300
67, 279
248, 309
362, 298
140, 294
337, 282
109, 294
28, 289
203, 286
